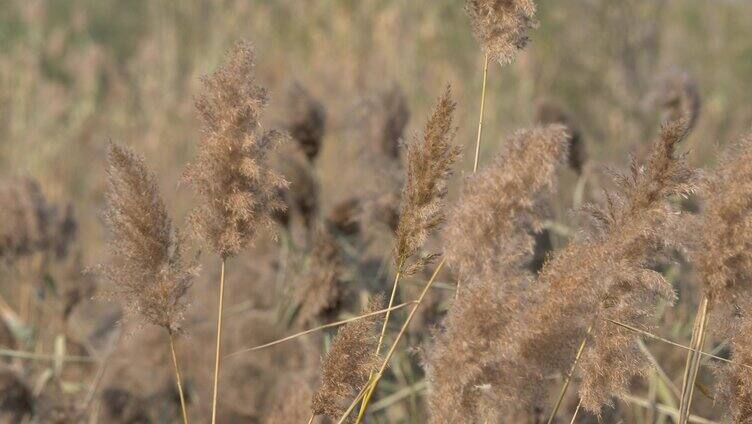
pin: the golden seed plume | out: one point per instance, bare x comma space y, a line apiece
238, 190
500, 199
470, 375
724, 261
429, 166
146, 271
605, 274
501, 26
347, 366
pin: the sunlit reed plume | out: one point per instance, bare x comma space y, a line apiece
605, 274
487, 240
501, 26
147, 272
429, 166
724, 261
346, 367
237, 188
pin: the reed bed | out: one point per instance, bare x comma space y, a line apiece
584, 263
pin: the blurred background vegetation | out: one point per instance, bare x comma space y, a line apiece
77, 73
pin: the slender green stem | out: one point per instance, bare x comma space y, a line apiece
219, 343
177, 377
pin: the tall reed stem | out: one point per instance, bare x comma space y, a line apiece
693, 360
219, 342
568, 379
482, 107
369, 392
177, 377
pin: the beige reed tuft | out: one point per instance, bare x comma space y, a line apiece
146, 272
347, 366
501, 26
723, 258
429, 166
606, 274
470, 376
239, 191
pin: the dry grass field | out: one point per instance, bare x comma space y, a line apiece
376, 211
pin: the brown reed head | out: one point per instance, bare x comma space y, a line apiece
723, 260
146, 270
501, 26
238, 189
305, 120
606, 274
488, 242
347, 366
501, 199
429, 166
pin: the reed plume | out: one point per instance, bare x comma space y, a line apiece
237, 188
429, 166
239, 191
501, 26
723, 260
147, 272
605, 274
346, 368
486, 239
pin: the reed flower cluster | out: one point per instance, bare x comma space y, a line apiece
501, 26
238, 189
724, 262
470, 371
346, 368
606, 274
429, 165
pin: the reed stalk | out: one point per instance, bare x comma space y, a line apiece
219, 343
177, 377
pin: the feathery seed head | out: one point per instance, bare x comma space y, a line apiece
605, 274
480, 235
724, 261
429, 166
239, 191
146, 270
472, 377
501, 26
346, 367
